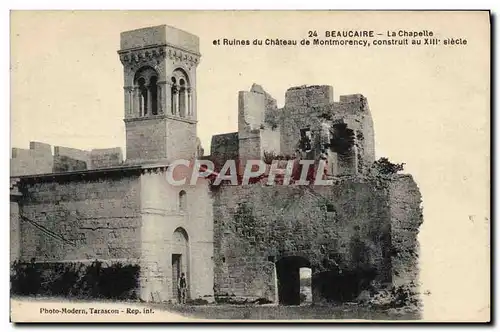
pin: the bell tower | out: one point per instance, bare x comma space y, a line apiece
159, 66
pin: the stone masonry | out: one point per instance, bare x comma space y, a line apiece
347, 228
245, 241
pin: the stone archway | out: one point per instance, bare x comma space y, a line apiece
289, 281
180, 259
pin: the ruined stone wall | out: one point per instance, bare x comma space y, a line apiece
104, 158
270, 140
163, 214
406, 217
69, 159
309, 96
354, 109
80, 218
256, 134
311, 108
343, 226
251, 114
37, 160
296, 119
304, 108
224, 147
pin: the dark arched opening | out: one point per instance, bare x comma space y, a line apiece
339, 286
146, 95
153, 91
180, 260
343, 143
181, 102
289, 279
182, 200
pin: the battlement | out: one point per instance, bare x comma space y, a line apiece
38, 159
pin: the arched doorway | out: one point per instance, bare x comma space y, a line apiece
180, 259
290, 283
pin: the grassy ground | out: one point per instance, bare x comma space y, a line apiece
245, 312
268, 312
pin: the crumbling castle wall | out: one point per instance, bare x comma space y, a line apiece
343, 130
303, 113
69, 159
81, 217
38, 159
343, 228
256, 134
406, 217
224, 147
355, 235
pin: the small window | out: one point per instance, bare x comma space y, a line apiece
305, 139
330, 207
182, 200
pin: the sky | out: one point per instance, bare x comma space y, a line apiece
430, 105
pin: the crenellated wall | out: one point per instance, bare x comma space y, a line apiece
38, 159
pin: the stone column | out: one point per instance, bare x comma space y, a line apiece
188, 103
128, 101
175, 100
166, 105
135, 102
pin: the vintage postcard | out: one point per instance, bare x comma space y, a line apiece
228, 166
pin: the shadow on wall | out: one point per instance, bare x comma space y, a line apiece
341, 286
335, 286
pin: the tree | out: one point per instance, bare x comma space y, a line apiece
385, 167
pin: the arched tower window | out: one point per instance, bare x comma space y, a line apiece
182, 200
181, 94
146, 91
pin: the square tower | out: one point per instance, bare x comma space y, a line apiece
159, 65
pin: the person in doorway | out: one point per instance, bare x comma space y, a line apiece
182, 287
